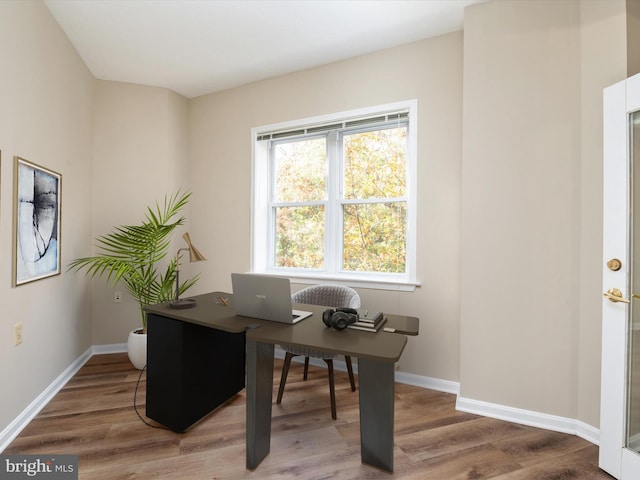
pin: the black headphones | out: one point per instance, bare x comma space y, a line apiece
340, 318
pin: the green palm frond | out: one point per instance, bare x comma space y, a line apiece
129, 255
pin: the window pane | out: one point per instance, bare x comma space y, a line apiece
300, 237
375, 237
300, 171
375, 164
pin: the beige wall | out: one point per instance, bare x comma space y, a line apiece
633, 37
431, 71
140, 154
531, 210
45, 117
603, 62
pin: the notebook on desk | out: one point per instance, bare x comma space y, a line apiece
264, 297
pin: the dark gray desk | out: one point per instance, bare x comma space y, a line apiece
376, 353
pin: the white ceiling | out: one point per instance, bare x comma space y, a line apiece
196, 47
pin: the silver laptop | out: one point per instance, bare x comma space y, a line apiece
265, 297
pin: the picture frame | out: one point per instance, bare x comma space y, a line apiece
36, 222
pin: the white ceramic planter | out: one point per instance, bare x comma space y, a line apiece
137, 348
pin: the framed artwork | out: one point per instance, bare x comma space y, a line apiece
36, 216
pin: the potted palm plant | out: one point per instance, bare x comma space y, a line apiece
130, 255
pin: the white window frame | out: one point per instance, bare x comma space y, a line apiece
262, 235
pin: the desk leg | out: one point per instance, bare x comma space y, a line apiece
376, 387
259, 393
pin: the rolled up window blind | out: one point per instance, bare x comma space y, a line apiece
400, 118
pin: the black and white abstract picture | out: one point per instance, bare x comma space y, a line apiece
37, 222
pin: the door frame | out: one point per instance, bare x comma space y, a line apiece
619, 100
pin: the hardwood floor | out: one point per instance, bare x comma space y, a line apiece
93, 417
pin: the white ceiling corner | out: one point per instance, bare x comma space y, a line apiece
195, 47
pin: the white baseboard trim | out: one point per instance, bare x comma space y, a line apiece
486, 409
21, 421
113, 348
401, 377
428, 382
530, 418
588, 432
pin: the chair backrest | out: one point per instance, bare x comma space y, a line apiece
336, 296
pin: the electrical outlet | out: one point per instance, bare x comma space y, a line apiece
117, 297
17, 334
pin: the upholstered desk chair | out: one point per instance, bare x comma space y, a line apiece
334, 296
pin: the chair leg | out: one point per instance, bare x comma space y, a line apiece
332, 387
285, 371
306, 367
350, 370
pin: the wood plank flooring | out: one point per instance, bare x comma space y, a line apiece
93, 417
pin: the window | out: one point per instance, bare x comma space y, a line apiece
334, 197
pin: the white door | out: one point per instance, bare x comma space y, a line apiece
620, 396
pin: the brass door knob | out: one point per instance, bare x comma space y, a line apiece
614, 295
614, 264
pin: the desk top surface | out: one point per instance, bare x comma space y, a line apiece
309, 333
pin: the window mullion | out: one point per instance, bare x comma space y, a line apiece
271, 223
332, 236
